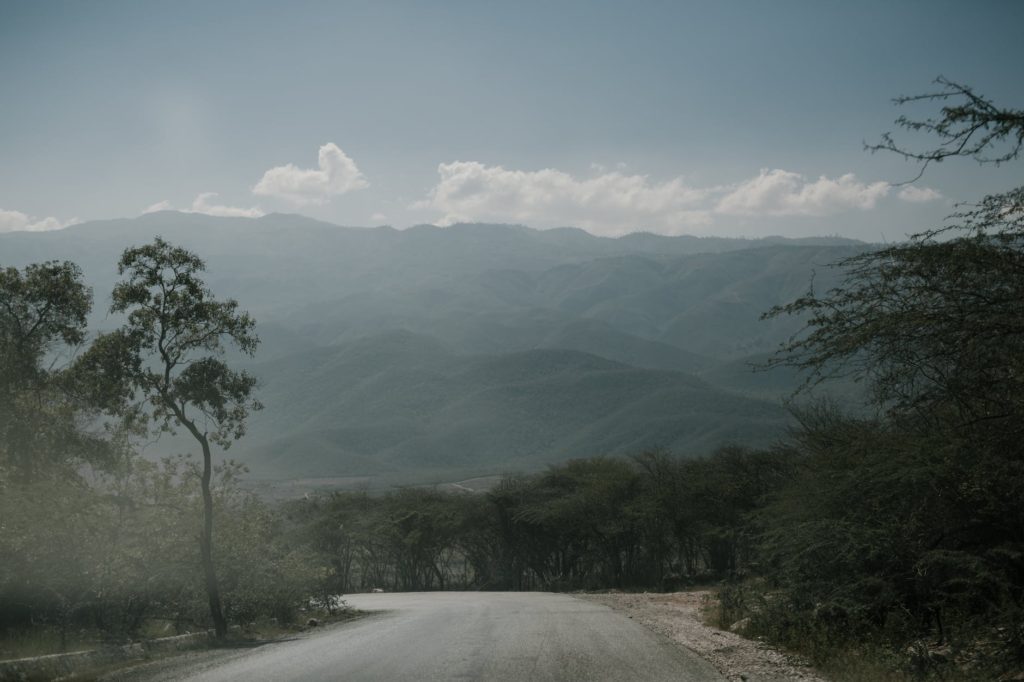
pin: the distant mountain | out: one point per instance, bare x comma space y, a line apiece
750, 376
400, 404
475, 348
279, 261
708, 306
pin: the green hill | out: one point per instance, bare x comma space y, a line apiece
400, 404
476, 349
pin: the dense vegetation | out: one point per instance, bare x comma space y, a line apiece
649, 522
908, 528
93, 534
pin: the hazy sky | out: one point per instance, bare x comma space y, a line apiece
727, 118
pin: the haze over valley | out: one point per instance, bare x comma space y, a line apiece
433, 354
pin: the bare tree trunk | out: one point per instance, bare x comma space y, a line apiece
220, 625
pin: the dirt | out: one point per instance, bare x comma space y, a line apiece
677, 616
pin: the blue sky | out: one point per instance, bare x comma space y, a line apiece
727, 118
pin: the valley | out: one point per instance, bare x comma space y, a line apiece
438, 354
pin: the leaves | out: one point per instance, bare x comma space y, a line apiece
914, 518
42, 308
175, 332
935, 326
45, 303
969, 125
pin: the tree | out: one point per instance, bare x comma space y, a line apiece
168, 356
45, 505
41, 308
916, 514
969, 126
935, 324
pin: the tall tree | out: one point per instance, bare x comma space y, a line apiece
169, 355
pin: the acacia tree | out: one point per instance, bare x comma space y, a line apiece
919, 512
935, 324
969, 126
168, 356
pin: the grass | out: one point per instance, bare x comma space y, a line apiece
43, 641
46, 641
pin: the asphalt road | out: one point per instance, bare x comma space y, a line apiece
460, 636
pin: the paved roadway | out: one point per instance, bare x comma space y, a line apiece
528, 636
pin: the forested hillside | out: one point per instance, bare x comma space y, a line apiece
400, 404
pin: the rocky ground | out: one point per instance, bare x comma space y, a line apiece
678, 616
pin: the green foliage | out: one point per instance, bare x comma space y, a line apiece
42, 318
95, 537
45, 304
168, 348
935, 326
166, 356
908, 527
651, 522
120, 552
262, 573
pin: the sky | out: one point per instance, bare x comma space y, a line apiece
711, 118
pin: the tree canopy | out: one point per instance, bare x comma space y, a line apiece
934, 324
43, 313
168, 356
910, 523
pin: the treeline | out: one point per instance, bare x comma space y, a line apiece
904, 538
648, 522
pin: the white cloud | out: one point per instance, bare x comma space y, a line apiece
610, 203
164, 205
378, 217
337, 174
919, 195
202, 204
16, 221
778, 192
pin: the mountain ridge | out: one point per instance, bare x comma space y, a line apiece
423, 403
408, 354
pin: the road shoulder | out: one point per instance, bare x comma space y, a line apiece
171, 668
676, 616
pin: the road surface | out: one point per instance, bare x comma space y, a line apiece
528, 636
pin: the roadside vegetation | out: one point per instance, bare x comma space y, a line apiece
98, 543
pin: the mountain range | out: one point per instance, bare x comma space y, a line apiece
434, 353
